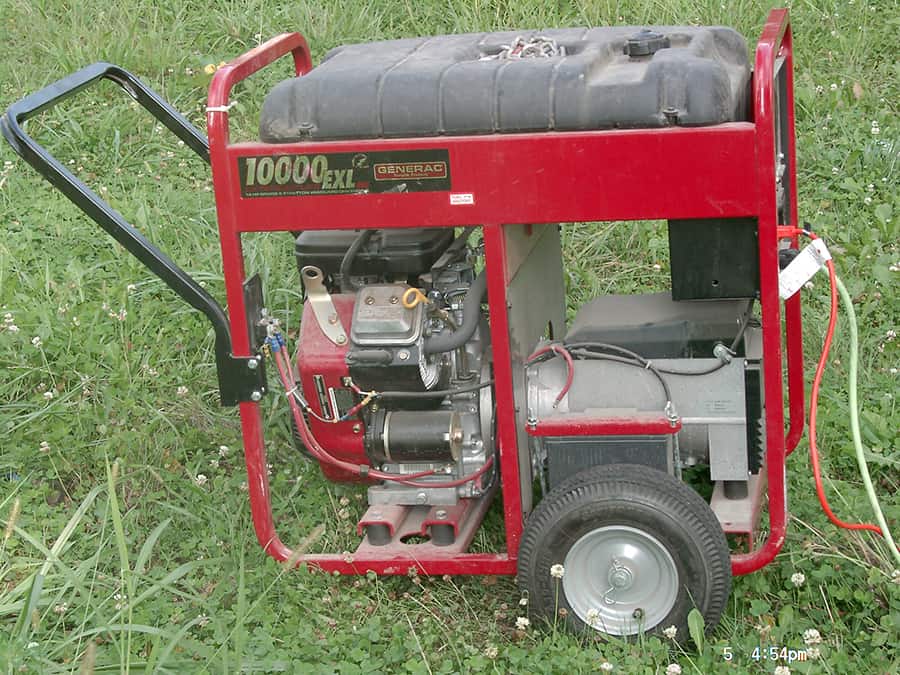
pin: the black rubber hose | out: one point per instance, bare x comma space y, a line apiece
350, 256
435, 393
446, 342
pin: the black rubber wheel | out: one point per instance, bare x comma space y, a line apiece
625, 549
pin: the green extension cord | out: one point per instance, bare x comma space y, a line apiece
854, 422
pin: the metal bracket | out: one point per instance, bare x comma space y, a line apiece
325, 313
242, 379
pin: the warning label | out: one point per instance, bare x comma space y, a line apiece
344, 173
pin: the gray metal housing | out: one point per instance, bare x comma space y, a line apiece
445, 85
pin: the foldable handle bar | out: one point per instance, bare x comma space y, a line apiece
237, 381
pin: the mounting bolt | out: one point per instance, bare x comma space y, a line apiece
369, 300
341, 339
252, 364
394, 300
255, 395
332, 319
440, 514
403, 355
357, 428
421, 498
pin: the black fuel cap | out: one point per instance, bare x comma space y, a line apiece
645, 43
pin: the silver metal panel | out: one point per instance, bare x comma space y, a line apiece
537, 302
728, 451
607, 384
712, 407
379, 317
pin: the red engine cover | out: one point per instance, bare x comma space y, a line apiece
322, 366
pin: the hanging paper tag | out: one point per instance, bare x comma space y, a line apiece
802, 268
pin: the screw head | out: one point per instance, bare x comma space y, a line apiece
333, 319
252, 364
421, 498
394, 300
441, 514
357, 428
369, 300
403, 355
256, 396
341, 339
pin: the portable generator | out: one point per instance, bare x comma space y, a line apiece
426, 181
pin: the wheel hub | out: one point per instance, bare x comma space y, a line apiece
620, 580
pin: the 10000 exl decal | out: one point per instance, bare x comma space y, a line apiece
344, 173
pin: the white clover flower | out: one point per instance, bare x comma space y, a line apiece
673, 669
243, 487
593, 615
798, 579
557, 571
893, 371
200, 479
657, 267
214, 463
782, 670
45, 446
812, 637
8, 317
523, 601
522, 623
182, 390
891, 334
343, 501
31, 645
813, 653
223, 450
491, 652
76, 321
833, 86
48, 395
867, 200
835, 171
202, 620
61, 608
606, 666
12, 328
36, 341
819, 88
670, 632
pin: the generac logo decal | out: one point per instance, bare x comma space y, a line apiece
410, 170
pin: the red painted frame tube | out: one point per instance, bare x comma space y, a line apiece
721, 171
774, 42
650, 424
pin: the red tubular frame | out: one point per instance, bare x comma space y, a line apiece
720, 171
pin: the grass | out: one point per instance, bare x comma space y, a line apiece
116, 556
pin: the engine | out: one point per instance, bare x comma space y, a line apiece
395, 367
393, 361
